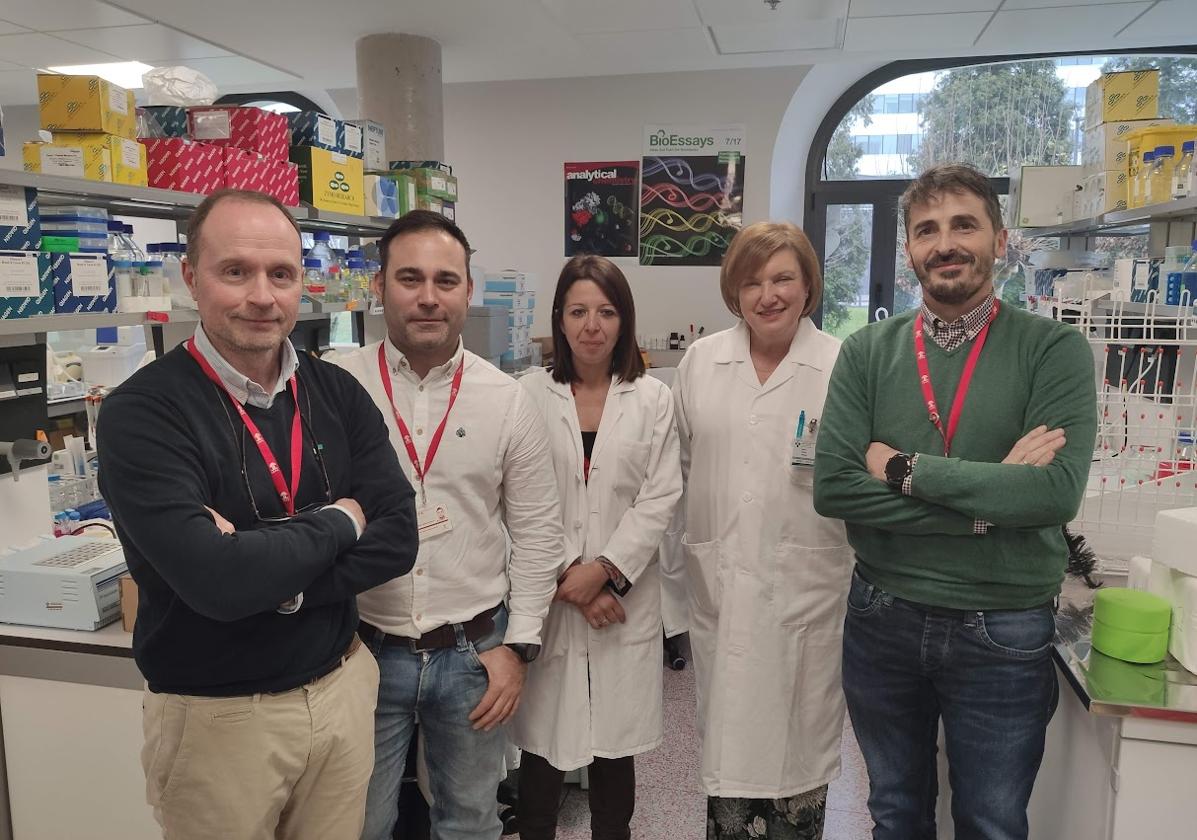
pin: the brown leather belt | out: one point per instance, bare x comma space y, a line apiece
445, 636
354, 644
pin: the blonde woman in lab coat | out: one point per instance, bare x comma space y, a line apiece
767, 576
593, 696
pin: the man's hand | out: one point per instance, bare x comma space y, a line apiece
1037, 447
505, 674
582, 583
603, 611
355, 509
877, 457
223, 524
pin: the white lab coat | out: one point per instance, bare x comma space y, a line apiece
767, 576
599, 692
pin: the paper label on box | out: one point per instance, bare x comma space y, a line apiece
13, 210
437, 184
89, 276
339, 158
212, 125
118, 99
131, 154
60, 160
18, 275
326, 131
353, 138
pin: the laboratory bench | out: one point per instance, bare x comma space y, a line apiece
1119, 763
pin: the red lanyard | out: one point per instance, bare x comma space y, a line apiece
434, 444
966, 379
285, 495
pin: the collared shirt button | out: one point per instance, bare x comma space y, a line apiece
419, 431
748, 497
419, 616
419, 572
420, 388
752, 419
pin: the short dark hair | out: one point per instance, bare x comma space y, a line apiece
200, 215
951, 177
416, 221
626, 362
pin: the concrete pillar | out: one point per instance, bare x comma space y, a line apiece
399, 85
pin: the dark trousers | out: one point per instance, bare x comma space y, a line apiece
612, 798
987, 674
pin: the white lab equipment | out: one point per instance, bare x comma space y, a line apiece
69, 582
111, 364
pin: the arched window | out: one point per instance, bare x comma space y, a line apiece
997, 114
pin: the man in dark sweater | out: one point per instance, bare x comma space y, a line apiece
255, 494
955, 443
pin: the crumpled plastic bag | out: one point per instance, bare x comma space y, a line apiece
178, 86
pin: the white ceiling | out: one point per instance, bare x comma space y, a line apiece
309, 44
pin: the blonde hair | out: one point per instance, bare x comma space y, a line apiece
753, 246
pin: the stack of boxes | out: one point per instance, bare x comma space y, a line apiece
26, 286
511, 290
204, 149
93, 124
253, 145
432, 184
1117, 105
75, 242
328, 153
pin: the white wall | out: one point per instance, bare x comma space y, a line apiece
20, 124
507, 142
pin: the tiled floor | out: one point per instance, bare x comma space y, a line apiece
670, 804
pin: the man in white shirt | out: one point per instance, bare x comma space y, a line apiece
454, 637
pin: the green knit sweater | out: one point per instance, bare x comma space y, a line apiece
921, 547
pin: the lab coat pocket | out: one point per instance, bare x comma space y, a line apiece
810, 585
704, 576
633, 464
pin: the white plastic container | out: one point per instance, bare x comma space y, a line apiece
110, 364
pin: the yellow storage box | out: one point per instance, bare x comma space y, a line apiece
97, 157
85, 103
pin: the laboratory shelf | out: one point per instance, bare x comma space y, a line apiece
1183, 209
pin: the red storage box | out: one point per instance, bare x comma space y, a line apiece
246, 171
176, 164
251, 129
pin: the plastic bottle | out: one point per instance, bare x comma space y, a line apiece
1160, 189
320, 250
123, 270
1144, 179
314, 285
1182, 175
157, 274
359, 281
172, 273
134, 248
1134, 199
337, 288
118, 249
1185, 452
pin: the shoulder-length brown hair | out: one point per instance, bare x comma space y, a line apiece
753, 246
626, 362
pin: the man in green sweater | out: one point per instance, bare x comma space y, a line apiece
955, 442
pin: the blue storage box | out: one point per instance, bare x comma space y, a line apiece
20, 220
83, 283
312, 128
161, 121
26, 284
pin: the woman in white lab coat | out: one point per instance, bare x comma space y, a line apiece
593, 696
767, 576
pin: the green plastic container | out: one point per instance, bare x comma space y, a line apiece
1131, 625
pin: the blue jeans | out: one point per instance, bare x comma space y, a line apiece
440, 687
989, 675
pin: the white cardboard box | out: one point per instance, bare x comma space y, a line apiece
1104, 192
1043, 196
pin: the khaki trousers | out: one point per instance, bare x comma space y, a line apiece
289, 766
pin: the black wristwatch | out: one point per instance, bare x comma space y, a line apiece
897, 469
526, 652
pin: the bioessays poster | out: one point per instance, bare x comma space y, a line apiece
691, 193
600, 208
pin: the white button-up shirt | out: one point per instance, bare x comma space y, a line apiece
493, 474
244, 389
